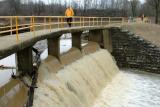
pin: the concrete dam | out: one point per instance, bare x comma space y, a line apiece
106, 66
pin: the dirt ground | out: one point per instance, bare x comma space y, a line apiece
150, 32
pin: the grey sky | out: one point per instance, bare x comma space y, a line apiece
80, 0
76, 0
142, 1
46, 1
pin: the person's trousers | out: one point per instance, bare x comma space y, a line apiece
69, 21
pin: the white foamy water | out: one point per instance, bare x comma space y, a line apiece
131, 89
78, 84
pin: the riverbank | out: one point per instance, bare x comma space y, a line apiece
150, 32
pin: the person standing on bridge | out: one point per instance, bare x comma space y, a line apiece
69, 13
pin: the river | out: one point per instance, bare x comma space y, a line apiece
131, 88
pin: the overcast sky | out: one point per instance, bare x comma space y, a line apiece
82, 0
76, 0
143, 1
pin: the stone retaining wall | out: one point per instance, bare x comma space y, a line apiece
131, 51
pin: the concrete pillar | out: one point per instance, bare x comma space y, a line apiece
95, 36
76, 40
107, 41
54, 47
25, 61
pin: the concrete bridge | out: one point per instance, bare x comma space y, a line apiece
20, 33
50, 28
22, 43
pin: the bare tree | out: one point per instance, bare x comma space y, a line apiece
14, 6
124, 7
39, 8
134, 6
57, 7
87, 5
156, 6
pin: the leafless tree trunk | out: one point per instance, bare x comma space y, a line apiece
14, 6
156, 6
134, 5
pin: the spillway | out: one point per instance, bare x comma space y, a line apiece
95, 81
77, 84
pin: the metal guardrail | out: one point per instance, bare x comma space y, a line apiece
34, 23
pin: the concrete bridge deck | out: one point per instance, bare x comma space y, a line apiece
9, 44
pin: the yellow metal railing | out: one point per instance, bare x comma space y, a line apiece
15, 24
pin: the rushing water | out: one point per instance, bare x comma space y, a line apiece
95, 81
131, 89
78, 84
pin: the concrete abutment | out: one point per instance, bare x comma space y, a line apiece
107, 40
25, 61
96, 36
54, 47
76, 40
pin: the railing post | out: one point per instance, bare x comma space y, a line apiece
44, 22
109, 20
33, 26
101, 21
89, 22
58, 23
73, 22
24, 21
17, 35
83, 21
11, 25
30, 24
50, 25
61, 22
25, 61
93, 21
122, 20
80, 21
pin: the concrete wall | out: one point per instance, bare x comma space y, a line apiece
131, 51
